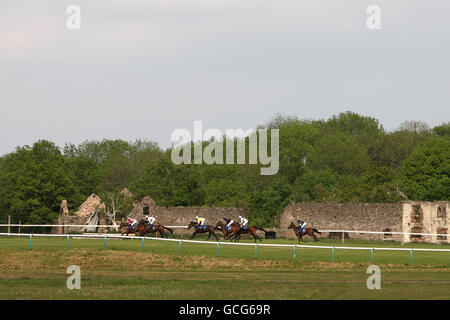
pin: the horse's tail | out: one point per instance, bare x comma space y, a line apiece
170, 230
315, 230
258, 228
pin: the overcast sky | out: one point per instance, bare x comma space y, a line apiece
141, 69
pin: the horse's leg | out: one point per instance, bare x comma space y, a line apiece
195, 232
254, 235
217, 239
209, 236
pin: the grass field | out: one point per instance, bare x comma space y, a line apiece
126, 270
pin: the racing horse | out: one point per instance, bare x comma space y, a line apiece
143, 227
237, 230
308, 231
223, 227
125, 227
200, 229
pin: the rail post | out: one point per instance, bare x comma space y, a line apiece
343, 237
410, 256
142, 244
31, 238
68, 237
293, 253
256, 251
218, 246
104, 243
371, 255
179, 248
332, 254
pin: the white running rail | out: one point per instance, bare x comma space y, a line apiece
185, 227
68, 236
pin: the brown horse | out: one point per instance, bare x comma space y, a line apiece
223, 227
125, 227
308, 231
199, 229
237, 230
144, 227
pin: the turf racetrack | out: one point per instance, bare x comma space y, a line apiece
126, 270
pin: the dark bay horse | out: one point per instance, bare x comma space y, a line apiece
125, 227
199, 229
223, 227
308, 231
237, 230
143, 227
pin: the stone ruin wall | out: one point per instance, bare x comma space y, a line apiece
426, 217
408, 216
345, 216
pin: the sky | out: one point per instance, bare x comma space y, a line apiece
141, 69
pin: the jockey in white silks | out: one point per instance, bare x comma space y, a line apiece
229, 224
151, 220
301, 224
244, 222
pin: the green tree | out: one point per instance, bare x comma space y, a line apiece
379, 184
35, 181
316, 185
171, 185
266, 206
341, 153
425, 174
226, 193
364, 129
442, 130
392, 149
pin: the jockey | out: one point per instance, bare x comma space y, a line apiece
229, 222
200, 222
132, 222
151, 220
301, 224
244, 222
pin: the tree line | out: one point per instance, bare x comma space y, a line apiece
346, 158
